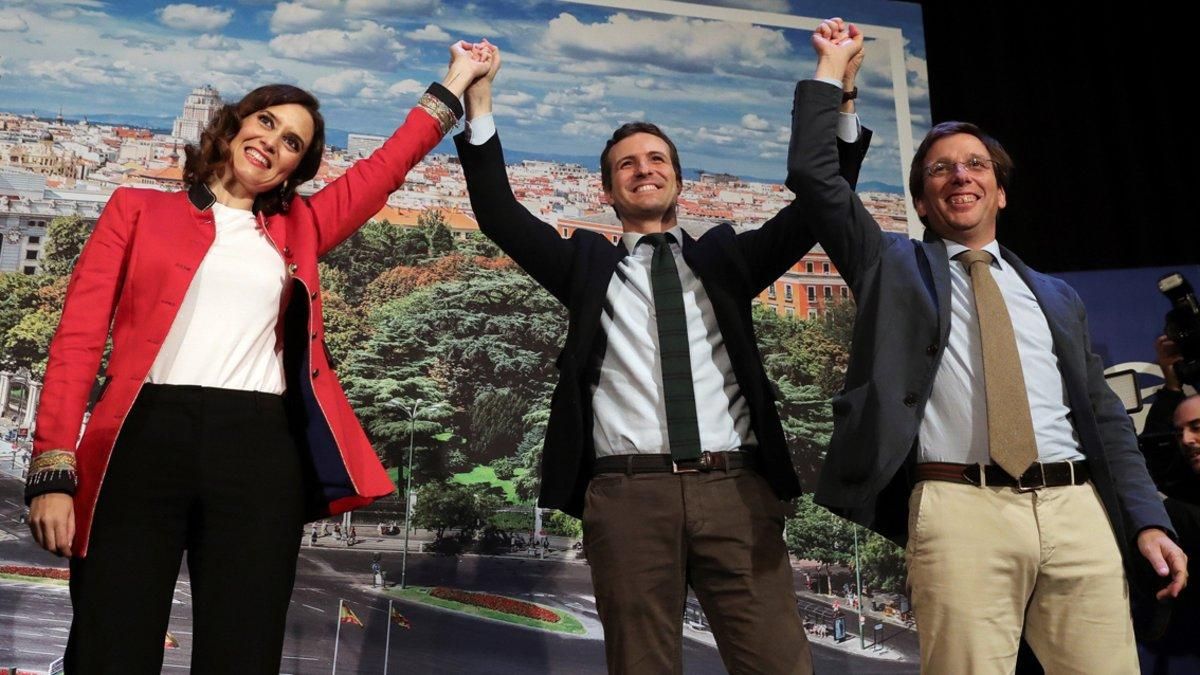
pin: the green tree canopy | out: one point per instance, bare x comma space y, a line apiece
65, 237
19, 297
453, 506
814, 533
882, 563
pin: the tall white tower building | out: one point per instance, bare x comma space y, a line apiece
199, 109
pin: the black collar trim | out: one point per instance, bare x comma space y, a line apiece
201, 196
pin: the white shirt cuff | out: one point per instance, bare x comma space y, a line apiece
482, 129
848, 123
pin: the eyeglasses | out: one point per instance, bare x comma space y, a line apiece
975, 165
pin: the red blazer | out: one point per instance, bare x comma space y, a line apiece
133, 273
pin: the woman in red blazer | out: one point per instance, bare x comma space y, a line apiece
214, 304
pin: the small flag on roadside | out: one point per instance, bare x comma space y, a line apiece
169, 642
348, 616
400, 620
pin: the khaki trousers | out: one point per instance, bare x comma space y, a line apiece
649, 535
985, 562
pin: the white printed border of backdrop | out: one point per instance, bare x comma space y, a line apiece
891, 38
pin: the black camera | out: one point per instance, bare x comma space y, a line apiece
1183, 326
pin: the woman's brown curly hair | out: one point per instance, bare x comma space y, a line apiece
211, 156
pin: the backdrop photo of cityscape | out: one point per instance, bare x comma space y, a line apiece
445, 347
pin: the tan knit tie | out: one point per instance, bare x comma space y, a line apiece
1010, 427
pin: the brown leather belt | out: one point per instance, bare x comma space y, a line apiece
708, 461
1053, 474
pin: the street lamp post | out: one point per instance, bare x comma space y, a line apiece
862, 620
412, 430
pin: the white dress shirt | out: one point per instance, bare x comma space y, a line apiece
224, 334
954, 428
628, 403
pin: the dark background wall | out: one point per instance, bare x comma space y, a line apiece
1095, 109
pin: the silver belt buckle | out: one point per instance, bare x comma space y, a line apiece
1033, 488
705, 464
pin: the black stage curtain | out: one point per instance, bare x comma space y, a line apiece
1092, 107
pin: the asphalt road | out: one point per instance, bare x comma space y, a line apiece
34, 618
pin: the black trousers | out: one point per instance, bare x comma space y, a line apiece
215, 473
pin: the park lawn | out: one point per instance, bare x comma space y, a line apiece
566, 622
486, 474
480, 474
37, 580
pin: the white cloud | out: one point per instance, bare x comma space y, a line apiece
678, 43
515, 98
13, 23
430, 33
86, 72
722, 135
212, 41
290, 17
346, 83
367, 45
138, 41
186, 16
754, 122
588, 93
233, 64
581, 128
365, 86
405, 88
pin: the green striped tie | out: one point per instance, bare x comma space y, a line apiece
683, 431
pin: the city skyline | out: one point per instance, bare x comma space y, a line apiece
573, 71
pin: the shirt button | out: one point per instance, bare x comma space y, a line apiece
910, 399
316, 372
287, 251
292, 269
314, 335
313, 295
932, 349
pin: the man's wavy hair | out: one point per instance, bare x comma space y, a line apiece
210, 157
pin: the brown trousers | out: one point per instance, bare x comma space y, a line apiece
649, 535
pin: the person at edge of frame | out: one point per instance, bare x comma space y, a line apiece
663, 434
975, 425
220, 429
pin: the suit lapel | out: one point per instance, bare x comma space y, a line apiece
1057, 312
592, 301
939, 270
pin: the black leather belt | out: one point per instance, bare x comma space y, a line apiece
708, 461
1052, 474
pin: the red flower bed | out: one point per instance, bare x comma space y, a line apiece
32, 571
497, 603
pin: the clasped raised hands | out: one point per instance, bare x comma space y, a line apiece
837, 43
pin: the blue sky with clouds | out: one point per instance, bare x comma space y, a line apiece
572, 71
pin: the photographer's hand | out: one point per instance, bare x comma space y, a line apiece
1167, 355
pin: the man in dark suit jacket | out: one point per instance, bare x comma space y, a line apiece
989, 550
653, 522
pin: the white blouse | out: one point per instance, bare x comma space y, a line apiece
225, 334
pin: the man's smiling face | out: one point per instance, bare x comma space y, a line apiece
644, 182
961, 205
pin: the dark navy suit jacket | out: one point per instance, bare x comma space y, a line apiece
733, 267
902, 290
